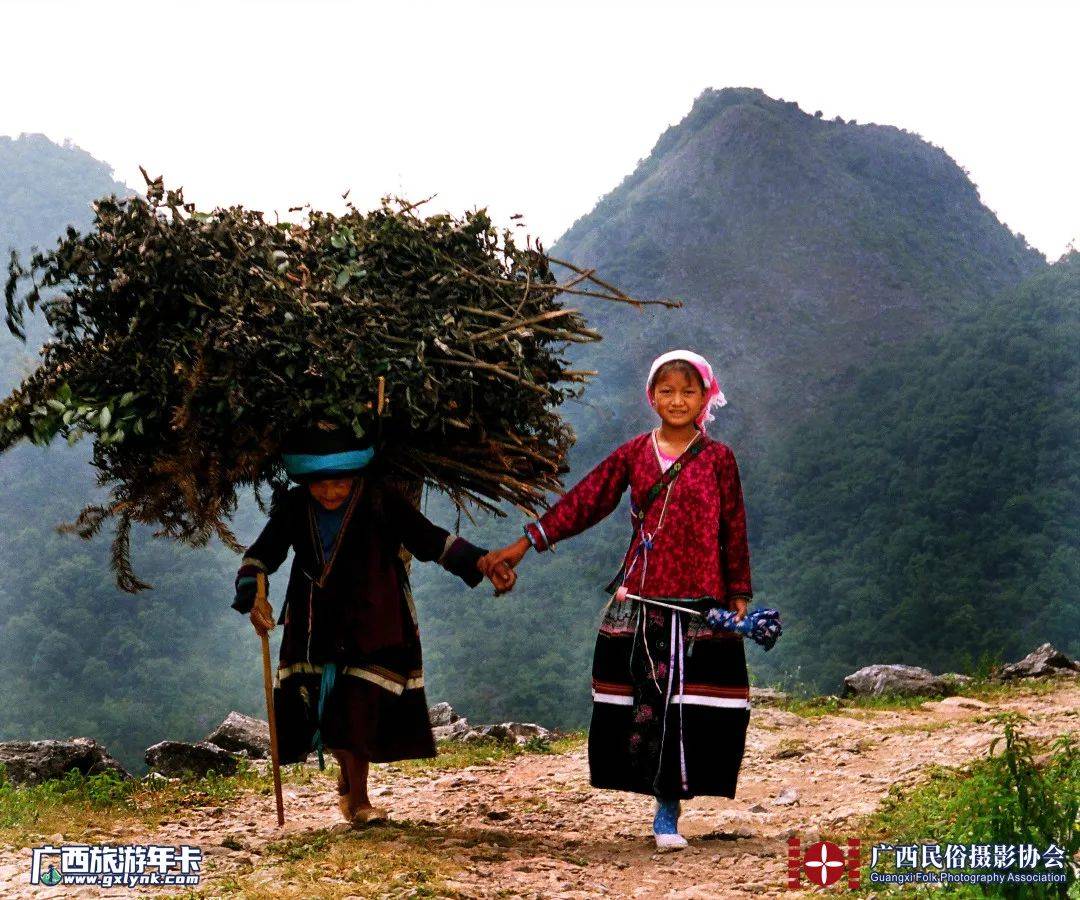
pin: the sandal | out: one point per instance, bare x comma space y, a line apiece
368, 815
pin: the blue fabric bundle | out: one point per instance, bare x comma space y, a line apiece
760, 625
329, 676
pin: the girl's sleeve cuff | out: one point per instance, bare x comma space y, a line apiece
534, 531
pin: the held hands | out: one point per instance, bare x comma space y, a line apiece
498, 565
511, 554
500, 575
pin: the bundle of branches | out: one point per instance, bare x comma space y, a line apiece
189, 343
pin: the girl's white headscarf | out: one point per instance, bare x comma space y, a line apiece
713, 395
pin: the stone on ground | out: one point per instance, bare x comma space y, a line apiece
242, 734
175, 758
31, 762
877, 680
519, 733
1044, 660
442, 714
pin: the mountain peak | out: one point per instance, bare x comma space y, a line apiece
799, 243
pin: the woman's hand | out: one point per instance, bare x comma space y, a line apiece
502, 576
262, 616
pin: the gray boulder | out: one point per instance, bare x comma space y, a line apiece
1044, 660
242, 734
519, 733
31, 762
892, 679
767, 695
175, 758
442, 714
446, 724
455, 731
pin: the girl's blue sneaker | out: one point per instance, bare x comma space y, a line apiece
666, 825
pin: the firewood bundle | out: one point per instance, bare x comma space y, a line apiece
187, 344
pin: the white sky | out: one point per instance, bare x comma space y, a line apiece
537, 108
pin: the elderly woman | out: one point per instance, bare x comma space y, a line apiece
350, 675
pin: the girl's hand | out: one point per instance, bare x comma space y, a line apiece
739, 605
511, 555
262, 617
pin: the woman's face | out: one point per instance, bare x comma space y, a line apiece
331, 492
678, 398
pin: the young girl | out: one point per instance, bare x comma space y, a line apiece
670, 694
350, 676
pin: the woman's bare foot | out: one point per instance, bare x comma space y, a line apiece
353, 800
368, 815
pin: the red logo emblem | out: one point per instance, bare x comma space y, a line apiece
823, 863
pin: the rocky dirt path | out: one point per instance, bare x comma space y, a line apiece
532, 827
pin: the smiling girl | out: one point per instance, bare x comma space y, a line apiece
670, 694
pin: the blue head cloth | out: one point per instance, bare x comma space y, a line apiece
305, 467
314, 454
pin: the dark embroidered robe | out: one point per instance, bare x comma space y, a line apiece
354, 608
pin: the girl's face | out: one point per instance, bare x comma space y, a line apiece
331, 492
678, 398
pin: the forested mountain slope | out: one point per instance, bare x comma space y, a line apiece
44, 188
930, 513
801, 246
809, 253
806, 250
77, 657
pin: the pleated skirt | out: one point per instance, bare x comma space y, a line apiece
359, 716
671, 705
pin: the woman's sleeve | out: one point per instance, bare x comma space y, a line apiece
734, 551
585, 504
428, 542
268, 552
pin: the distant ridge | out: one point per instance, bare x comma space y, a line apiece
801, 245
44, 188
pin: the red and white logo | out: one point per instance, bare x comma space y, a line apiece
823, 863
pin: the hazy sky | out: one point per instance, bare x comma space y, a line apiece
537, 108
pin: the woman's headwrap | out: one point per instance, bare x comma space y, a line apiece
313, 454
713, 395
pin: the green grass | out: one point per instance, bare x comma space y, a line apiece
983, 689
455, 755
1028, 793
77, 803
397, 859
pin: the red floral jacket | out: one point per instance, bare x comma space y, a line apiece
700, 550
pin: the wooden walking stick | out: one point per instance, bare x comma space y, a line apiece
261, 596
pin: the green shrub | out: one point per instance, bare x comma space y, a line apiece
1027, 793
